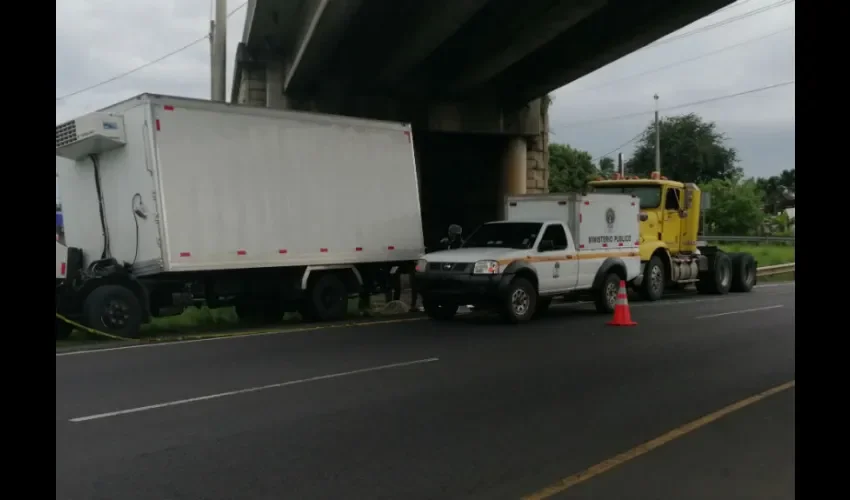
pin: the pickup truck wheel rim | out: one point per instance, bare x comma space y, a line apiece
611, 292
520, 302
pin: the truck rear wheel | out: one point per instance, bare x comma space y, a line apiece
327, 299
718, 278
743, 272
606, 296
519, 302
652, 287
115, 310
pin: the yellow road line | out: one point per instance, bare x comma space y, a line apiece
606, 465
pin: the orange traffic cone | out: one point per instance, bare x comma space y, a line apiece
622, 315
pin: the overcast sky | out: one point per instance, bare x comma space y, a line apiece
98, 39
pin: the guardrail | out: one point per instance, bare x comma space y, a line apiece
748, 239
777, 269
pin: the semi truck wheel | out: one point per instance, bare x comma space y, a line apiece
743, 272
606, 296
327, 299
652, 287
519, 302
439, 311
718, 278
115, 310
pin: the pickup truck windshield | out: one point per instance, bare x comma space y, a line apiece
517, 235
650, 196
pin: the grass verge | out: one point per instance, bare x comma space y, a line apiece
765, 255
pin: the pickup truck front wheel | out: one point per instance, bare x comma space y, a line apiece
520, 301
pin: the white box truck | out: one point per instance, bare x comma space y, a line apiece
170, 200
549, 246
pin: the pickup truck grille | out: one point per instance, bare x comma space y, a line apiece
450, 267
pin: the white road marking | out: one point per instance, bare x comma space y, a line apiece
742, 311
252, 389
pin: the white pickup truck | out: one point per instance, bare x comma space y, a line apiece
549, 246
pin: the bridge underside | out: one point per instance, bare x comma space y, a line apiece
457, 69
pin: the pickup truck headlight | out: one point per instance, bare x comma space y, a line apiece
486, 267
421, 265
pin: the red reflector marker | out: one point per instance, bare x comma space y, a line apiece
390, 247
605, 245
168, 107
241, 252
579, 218
581, 246
62, 269
619, 244
358, 249
323, 250
185, 254
157, 125
587, 203
281, 251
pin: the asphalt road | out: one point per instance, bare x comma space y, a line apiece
468, 409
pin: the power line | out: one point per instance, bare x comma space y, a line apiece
679, 106
683, 61
621, 146
147, 64
718, 24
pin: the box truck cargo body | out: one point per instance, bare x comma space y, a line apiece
172, 187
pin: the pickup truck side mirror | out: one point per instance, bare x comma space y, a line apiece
546, 246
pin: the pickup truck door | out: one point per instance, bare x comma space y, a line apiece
555, 260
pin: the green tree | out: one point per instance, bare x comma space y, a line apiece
778, 191
569, 169
692, 150
606, 166
736, 206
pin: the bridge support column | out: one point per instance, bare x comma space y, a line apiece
274, 86
514, 167
252, 90
537, 168
514, 162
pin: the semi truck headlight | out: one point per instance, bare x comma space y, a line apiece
486, 267
421, 265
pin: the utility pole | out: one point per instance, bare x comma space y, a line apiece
620, 165
657, 139
218, 52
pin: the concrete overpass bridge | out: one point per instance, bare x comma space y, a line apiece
470, 75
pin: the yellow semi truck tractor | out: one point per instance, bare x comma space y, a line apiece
670, 251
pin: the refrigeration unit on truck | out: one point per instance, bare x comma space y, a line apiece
671, 254
549, 246
170, 201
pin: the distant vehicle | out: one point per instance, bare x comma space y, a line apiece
172, 202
